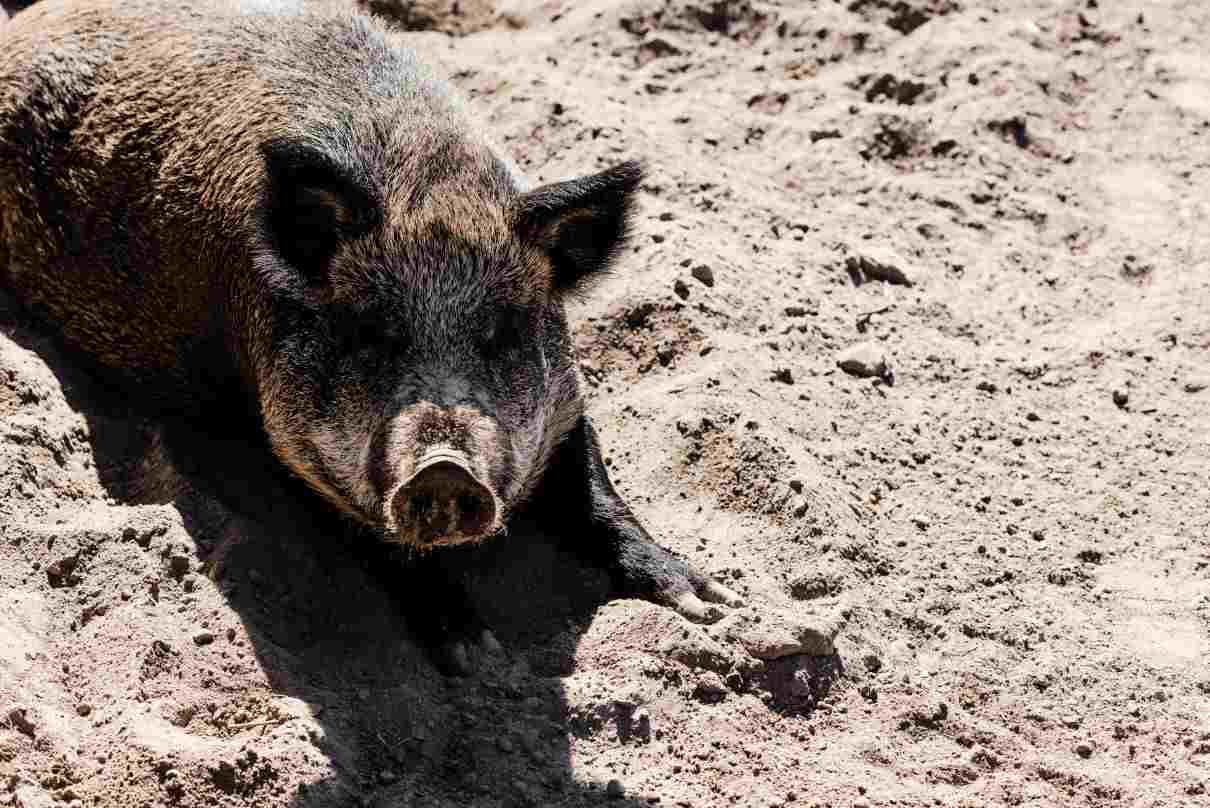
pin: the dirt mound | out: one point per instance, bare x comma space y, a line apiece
909, 351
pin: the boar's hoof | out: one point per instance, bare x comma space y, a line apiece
443, 503
649, 571
455, 657
700, 607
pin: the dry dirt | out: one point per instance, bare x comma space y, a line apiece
1005, 526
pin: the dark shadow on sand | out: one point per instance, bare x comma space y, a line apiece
330, 622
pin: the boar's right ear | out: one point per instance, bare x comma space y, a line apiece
313, 205
581, 224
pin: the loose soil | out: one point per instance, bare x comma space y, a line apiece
911, 350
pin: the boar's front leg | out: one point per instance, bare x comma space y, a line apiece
583, 507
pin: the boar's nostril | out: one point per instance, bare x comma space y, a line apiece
443, 503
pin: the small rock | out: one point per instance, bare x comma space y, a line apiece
189, 583
865, 359
22, 720
642, 723
872, 663
178, 565
1121, 398
783, 375
32, 797
880, 265
782, 634
703, 274
84, 710
986, 387
655, 46
203, 638
62, 572
1197, 385
615, 790
1084, 750
710, 688
681, 289
1090, 555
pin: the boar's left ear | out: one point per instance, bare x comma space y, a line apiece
580, 223
314, 203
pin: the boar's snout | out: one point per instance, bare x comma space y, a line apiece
443, 502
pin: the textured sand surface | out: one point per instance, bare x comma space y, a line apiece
912, 350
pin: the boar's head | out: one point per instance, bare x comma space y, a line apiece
407, 331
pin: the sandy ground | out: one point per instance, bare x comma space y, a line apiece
996, 210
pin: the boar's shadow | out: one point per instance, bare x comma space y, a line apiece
332, 627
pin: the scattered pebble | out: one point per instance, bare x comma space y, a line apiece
710, 688
178, 565
878, 264
32, 797
84, 710
783, 375
1121, 398
779, 635
615, 790
872, 663
1196, 385
865, 359
22, 720
703, 274
62, 572
642, 723
681, 289
1090, 555
203, 638
1084, 750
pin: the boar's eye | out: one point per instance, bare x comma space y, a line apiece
360, 336
504, 330
581, 224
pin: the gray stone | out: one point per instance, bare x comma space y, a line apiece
864, 360
880, 264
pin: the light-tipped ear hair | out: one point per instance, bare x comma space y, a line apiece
580, 224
